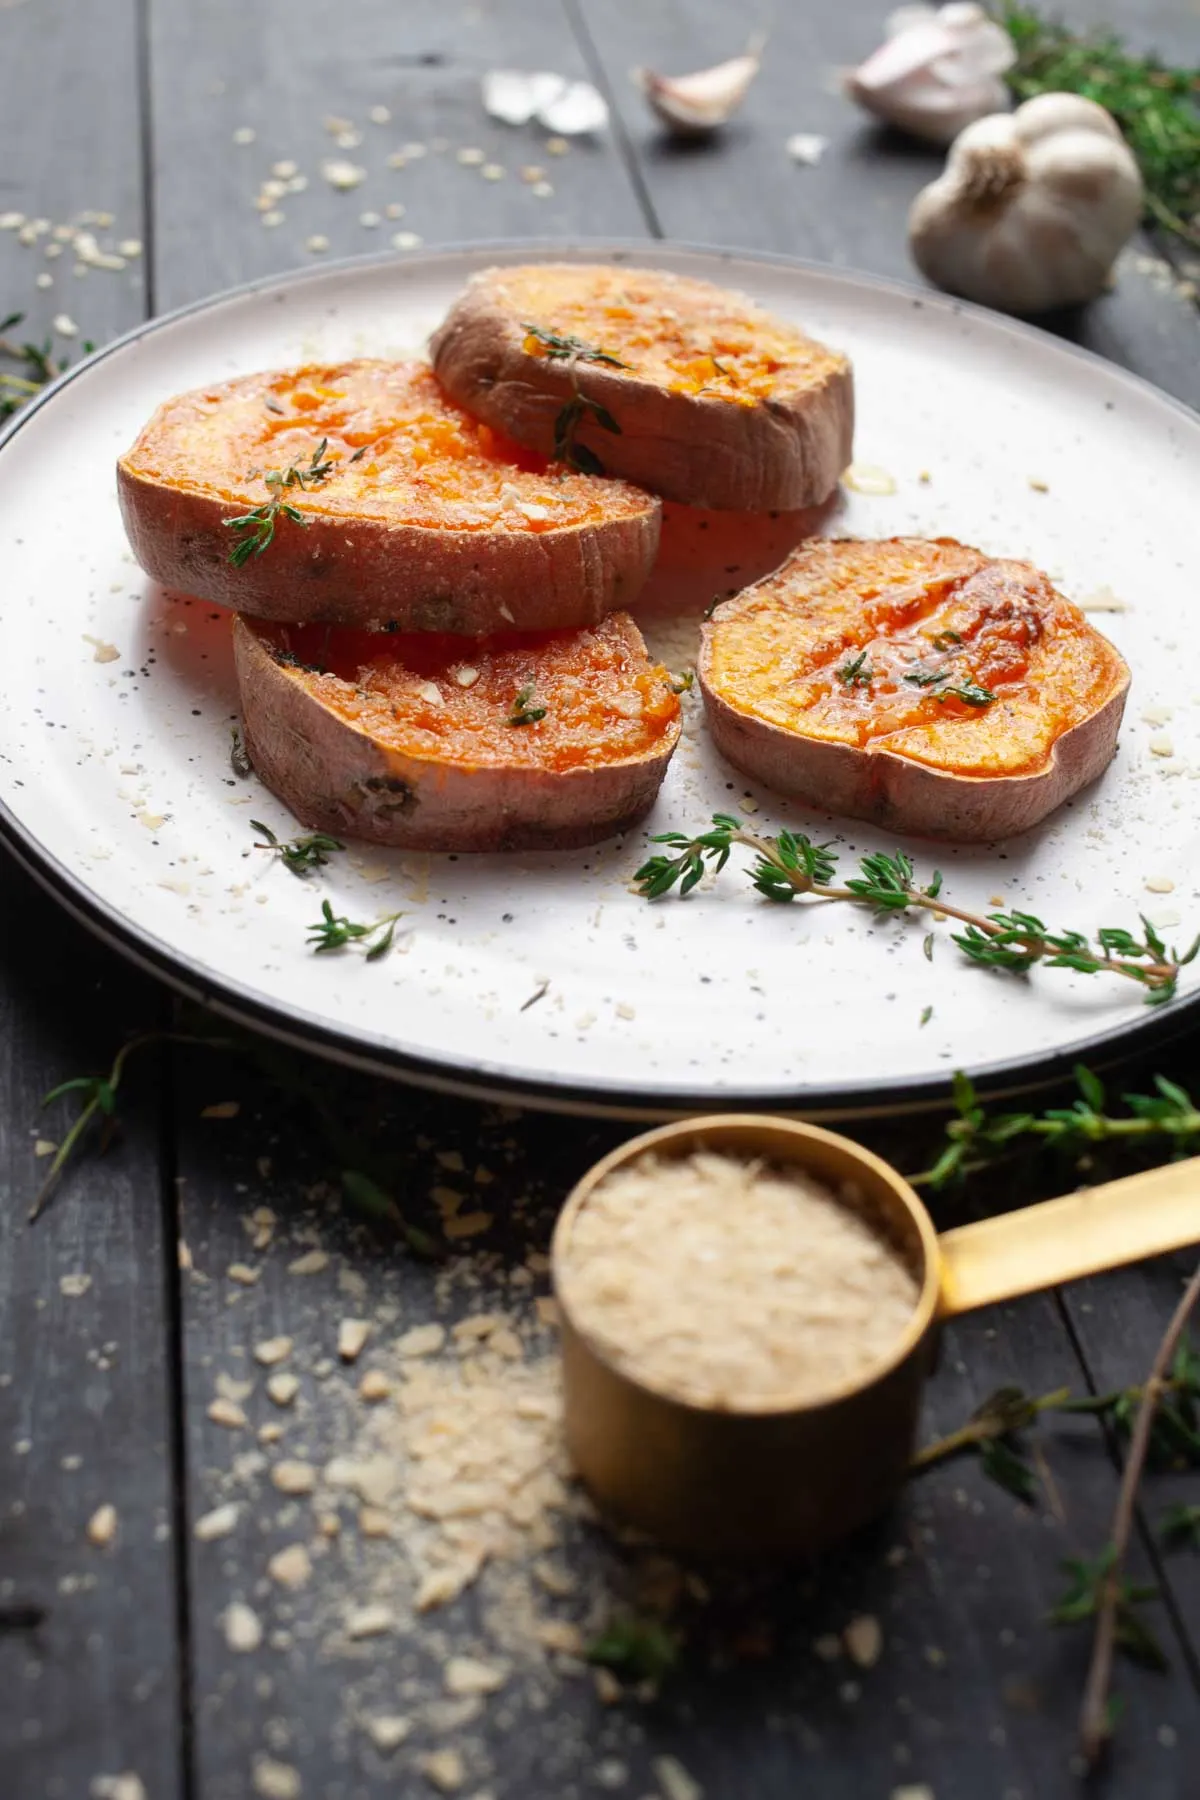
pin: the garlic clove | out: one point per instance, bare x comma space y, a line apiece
1047, 114
693, 105
937, 72
568, 108
577, 110
514, 95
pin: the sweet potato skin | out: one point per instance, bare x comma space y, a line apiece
897, 792
366, 570
907, 797
334, 777
786, 452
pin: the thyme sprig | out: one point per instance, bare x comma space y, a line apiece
1095, 1587
560, 346
523, 711
37, 361
1113, 1595
98, 1104
790, 867
566, 449
857, 671
335, 932
991, 1433
256, 528
299, 854
1155, 105
976, 1139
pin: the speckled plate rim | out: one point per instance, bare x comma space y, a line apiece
476, 1078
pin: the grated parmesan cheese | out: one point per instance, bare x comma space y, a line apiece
731, 1284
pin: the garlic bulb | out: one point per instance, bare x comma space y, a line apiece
694, 105
939, 69
1032, 207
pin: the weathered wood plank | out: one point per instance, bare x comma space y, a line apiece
89, 1666
422, 63
972, 1692
89, 1670
742, 189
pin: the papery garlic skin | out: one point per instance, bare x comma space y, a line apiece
938, 70
1032, 209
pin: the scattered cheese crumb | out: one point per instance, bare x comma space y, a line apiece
342, 174
311, 1263
465, 1675
276, 1780
283, 1388
126, 1786
221, 1109
243, 1628
102, 1526
1161, 745
352, 1338
863, 1638
101, 651
674, 1780
216, 1524
445, 1769
1159, 884
422, 1340
387, 1731
867, 478
370, 1621
74, 1286
374, 1386
226, 1412
243, 1274
294, 1477
272, 1350
290, 1567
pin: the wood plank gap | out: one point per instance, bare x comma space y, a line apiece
621, 138
146, 156
176, 1398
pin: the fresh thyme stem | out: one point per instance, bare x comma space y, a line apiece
1095, 1723
100, 1100
790, 866
1002, 1413
977, 1139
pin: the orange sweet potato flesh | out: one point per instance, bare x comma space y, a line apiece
717, 403
426, 519
914, 682
431, 741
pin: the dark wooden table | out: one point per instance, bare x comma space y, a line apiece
114, 1660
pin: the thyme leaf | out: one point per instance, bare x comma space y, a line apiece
523, 712
857, 672
256, 528
561, 347
299, 854
335, 932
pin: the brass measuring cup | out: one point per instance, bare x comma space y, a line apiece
782, 1482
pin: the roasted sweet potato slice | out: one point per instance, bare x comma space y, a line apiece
916, 683
691, 391
406, 512
432, 742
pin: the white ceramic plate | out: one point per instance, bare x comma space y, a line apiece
117, 791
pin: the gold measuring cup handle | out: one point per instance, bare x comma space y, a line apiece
1062, 1240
